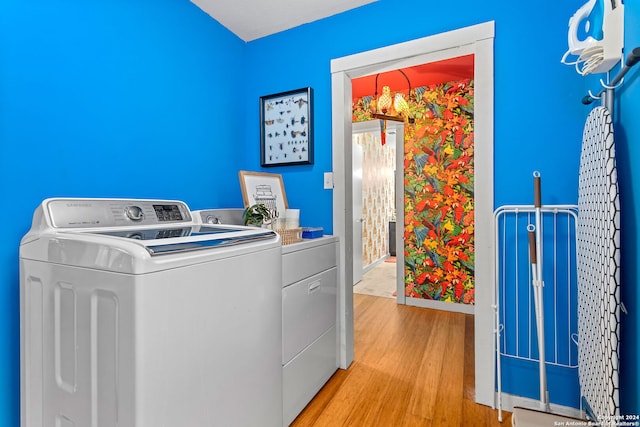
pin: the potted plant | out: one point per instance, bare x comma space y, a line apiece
257, 215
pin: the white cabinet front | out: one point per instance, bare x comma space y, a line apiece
308, 311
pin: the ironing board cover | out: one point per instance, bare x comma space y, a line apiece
598, 245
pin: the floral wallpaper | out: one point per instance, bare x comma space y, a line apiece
438, 191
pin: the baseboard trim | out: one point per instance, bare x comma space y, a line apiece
440, 305
510, 401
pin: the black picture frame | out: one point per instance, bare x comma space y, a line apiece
286, 128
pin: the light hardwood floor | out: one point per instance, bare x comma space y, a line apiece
412, 367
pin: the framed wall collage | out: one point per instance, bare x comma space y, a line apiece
286, 128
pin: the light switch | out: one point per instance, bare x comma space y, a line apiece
328, 180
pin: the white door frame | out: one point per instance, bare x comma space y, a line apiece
477, 40
358, 218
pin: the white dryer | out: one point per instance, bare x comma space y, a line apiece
133, 315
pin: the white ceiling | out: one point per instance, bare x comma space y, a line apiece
252, 19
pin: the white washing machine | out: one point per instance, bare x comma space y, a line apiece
134, 315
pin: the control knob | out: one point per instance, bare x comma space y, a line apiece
211, 219
134, 213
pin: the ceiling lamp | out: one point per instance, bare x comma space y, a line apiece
390, 106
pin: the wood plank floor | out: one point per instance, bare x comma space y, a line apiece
412, 367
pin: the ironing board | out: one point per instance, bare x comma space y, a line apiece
598, 245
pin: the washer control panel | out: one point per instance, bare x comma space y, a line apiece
91, 213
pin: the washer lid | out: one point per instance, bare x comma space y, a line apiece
165, 240
140, 252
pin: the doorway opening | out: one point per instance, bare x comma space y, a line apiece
435, 164
476, 40
375, 207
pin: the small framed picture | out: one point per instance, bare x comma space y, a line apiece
264, 188
286, 128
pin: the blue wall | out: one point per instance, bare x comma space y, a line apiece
109, 98
153, 98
